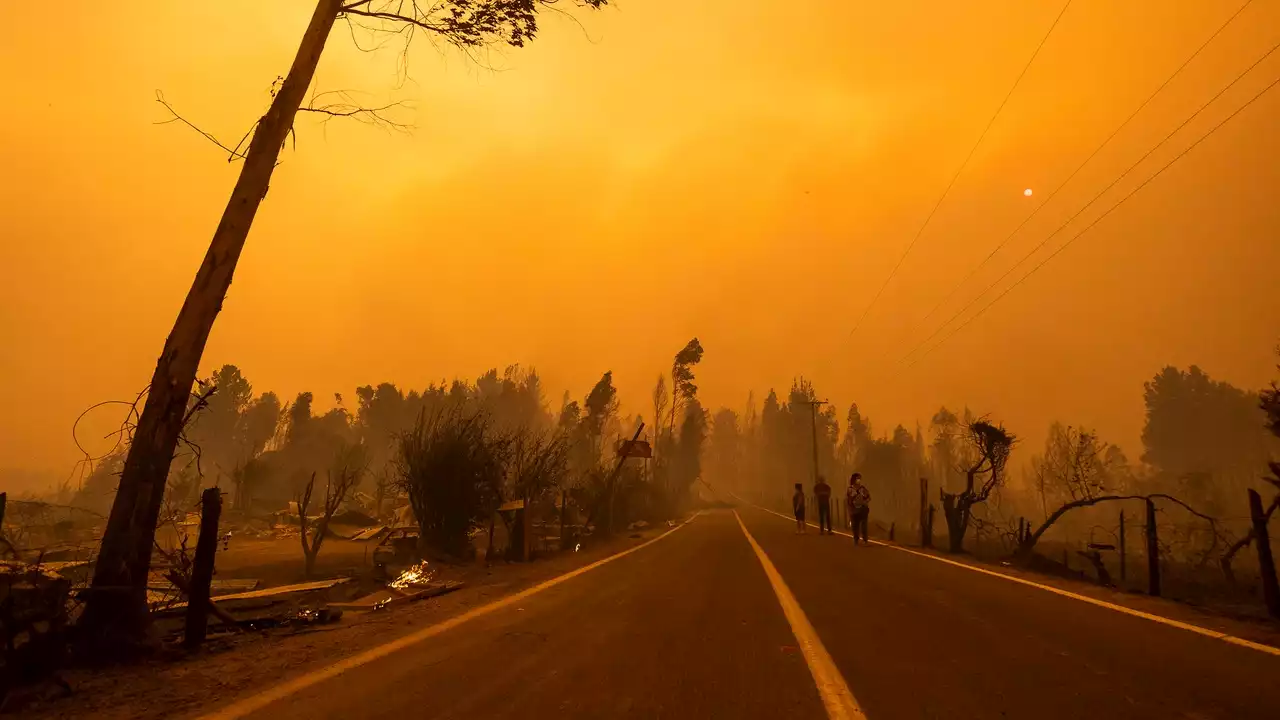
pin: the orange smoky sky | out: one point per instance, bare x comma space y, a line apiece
746, 171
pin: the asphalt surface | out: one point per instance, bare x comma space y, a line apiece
690, 627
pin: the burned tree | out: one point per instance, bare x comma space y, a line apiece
1075, 465
537, 462
450, 466
992, 445
120, 575
340, 483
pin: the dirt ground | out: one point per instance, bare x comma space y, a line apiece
175, 685
279, 561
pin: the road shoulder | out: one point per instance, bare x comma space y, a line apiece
229, 668
1261, 632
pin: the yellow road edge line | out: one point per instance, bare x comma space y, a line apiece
835, 693
1216, 635
253, 703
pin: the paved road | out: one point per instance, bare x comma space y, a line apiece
690, 627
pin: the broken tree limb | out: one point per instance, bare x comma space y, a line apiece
1229, 556
1024, 550
212, 607
1095, 558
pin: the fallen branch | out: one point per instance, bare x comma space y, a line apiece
181, 583
1029, 544
1229, 556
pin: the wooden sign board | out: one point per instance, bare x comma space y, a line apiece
638, 448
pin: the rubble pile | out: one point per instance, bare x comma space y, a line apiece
33, 623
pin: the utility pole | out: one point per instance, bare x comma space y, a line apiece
813, 408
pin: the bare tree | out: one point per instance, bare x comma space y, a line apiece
992, 445
382, 487
659, 406
340, 484
537, 462
120, 576
1076, 465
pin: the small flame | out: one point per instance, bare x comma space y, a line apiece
416, 575
577, 547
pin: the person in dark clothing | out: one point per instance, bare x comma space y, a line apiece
797, 506
822, 491
859, 503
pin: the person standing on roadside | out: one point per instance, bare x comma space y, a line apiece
822, 491
797, 506
859, 503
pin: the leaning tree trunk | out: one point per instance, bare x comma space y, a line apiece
117, 604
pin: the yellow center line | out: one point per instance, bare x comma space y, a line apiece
836, 697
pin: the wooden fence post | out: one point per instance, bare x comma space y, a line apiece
1153, 552
1122, 548
202, 569
526, 530
924, 513
1266, 563
564, 508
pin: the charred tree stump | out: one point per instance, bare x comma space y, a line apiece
202, 569
1266, 563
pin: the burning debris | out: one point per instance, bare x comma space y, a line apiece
314, 616
417, 576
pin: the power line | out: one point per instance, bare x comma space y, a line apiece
963, 165
1122, 200
1089, 204
1087, 160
